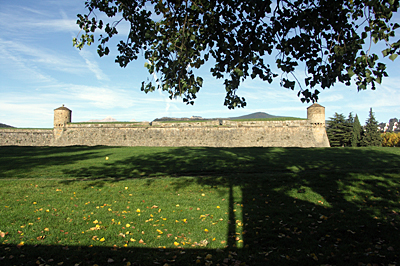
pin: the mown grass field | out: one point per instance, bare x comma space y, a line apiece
199, 206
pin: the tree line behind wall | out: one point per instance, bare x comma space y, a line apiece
348, 132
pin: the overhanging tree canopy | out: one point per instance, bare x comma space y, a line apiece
330, 39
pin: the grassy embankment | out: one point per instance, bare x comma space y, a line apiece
182, 206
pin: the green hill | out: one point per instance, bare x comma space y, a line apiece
253, 116
4, 125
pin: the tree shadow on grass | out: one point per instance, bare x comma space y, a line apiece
27, 162
297, 206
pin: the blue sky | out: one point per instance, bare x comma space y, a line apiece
40, 70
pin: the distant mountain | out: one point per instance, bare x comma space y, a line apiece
254, 115
249, 116
4, 125
107, 119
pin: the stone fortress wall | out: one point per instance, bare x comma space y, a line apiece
217, 133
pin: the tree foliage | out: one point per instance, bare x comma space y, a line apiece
330, 39
372, 136
357, 132
338, 131
349, 130
390, 139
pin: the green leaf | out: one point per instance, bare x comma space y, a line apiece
364, 35
393, 57
350, 72
239, 72
385, 52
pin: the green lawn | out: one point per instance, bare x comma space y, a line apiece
185, 206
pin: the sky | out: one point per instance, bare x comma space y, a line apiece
40, 70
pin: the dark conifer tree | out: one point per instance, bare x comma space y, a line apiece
357, 133
349, 130
372, 136
337, 130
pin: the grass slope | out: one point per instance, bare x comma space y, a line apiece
185, 206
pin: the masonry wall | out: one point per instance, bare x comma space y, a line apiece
218, 133
25, 137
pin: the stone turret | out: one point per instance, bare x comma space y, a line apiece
316, 114
62, 116
316, 119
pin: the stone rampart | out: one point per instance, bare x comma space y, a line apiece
216, 133
26, 137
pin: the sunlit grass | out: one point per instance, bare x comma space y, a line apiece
187, 206
122, 214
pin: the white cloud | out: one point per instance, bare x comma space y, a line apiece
92, 65
17, 67
32, 60
15, 20
35, 11
26, 112
108, 98
101, 97
326, 98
